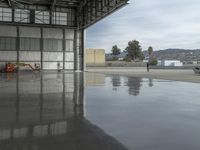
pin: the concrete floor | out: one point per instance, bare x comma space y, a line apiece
186, 75
145, 113
99, 111
44, 111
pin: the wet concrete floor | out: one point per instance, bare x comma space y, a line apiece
59, 111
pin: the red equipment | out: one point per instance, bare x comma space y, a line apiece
10, 68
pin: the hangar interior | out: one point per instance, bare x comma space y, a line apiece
45, 111
49, 32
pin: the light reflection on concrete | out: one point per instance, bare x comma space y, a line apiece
95, 79
45, 111
134, 84
30, 103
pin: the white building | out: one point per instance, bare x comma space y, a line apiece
174, 63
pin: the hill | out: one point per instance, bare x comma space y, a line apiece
177, 54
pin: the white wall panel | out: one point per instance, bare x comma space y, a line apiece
8, 56
32, 32
52, 56
8, 31
51, 65
52, 33
29, 56
69, 44
69, 34
69, 65
69, 56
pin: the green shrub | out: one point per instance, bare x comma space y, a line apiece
127, 59
114, 58
153, 62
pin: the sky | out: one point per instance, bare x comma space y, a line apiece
161, 24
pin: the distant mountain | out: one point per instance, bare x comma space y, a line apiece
177, 54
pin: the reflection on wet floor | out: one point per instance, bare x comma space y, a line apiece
133, 83
146, 114
75, 111
46, 112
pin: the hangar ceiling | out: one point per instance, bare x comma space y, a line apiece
83, 13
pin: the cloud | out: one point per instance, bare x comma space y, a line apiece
162, 24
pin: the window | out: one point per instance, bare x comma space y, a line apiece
42, 17
5, 14
7, 43
29, 44
59, 18
53, 45
22, 15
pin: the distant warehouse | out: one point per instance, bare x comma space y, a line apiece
168, 63
95, 57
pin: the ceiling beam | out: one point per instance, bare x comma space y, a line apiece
84, 2
15, 3
53, 4
10, 3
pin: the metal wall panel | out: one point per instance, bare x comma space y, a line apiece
33, 32
52, 33
30, 44
53, 45
69, 45
69, 65
69, 34
7, 43
51, 65
8, 56
69, 56
10, 31
53, 56
29, 56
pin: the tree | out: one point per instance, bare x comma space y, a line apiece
150, 50
134, 50
115, 50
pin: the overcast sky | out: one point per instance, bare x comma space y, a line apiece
159, 23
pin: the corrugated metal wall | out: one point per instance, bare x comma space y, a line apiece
52, 48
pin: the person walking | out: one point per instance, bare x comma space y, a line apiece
147, 66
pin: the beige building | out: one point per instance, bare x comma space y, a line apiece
95, 57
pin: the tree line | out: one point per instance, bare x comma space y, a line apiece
134, 51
